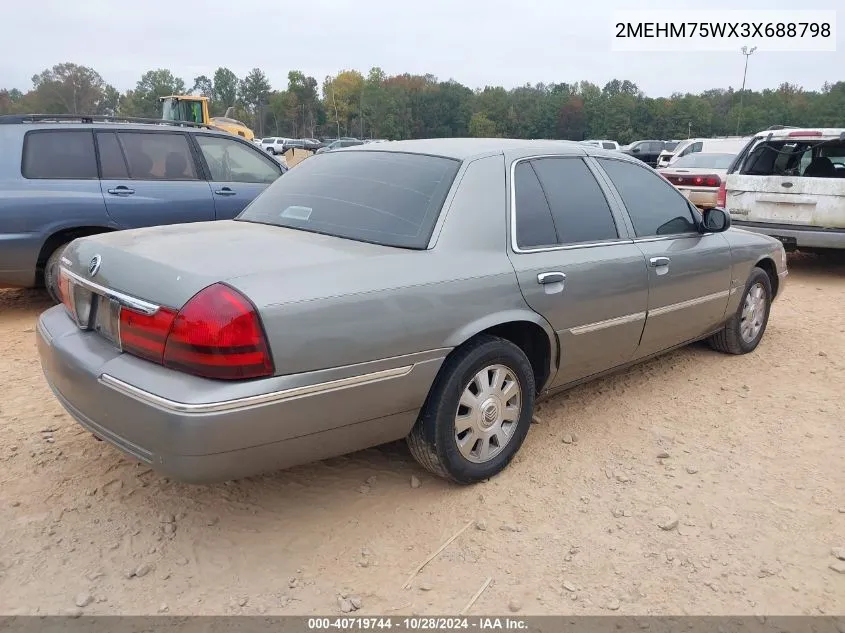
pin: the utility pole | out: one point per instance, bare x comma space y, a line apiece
747, 52
689, 129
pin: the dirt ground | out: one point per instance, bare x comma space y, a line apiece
745, 453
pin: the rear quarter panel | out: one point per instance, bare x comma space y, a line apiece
33, 210
408, 301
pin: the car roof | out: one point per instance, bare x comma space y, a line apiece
790, 132
470, 148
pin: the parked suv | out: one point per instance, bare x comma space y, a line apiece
646, 151
789, 183
63, 177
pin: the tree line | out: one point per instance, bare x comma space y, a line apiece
422, 106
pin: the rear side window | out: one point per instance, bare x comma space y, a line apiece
534, 224
387, 198
608, 146
112, 163
157, 156
59, 154
579, 208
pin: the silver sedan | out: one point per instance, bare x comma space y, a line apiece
429, 290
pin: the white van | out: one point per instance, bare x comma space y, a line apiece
728, 145
790, 184
603, 144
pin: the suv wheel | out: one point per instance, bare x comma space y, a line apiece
477, 413
51, 273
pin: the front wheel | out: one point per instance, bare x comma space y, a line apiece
744, 330
477, 413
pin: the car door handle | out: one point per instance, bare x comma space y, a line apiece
656, 262
553, 277
225, 191
121, 190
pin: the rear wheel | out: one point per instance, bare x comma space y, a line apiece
477, 413
744, 331
51, 273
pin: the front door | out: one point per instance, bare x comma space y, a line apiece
237, 173
151, 178
575, 267
689, 273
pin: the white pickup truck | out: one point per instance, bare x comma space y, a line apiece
790, 183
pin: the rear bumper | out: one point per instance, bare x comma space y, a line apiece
702, 198
213, 431
806, 236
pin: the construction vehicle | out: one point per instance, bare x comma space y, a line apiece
195, 110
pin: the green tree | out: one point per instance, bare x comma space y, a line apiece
71, 89
255, 89
224, 90
203, 86
482, 127
143, 101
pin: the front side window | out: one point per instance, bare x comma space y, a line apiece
157, 156
655, 207
230, 161
387, 198
59, 154
579, 209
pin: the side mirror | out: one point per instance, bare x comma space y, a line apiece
716, 220
636, 150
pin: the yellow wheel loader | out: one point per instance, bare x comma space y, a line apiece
195, 110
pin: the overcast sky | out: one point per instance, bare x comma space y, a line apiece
476, 42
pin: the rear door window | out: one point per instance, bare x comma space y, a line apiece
158, 156
59, 154
579, 209
534, 225
112, 162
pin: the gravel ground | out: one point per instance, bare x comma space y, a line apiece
696, 483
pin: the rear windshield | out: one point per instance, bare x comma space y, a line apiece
712, 161
808, 158
387, 198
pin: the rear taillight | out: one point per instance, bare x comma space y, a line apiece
145, 335
722, 196
216, 334
696, 181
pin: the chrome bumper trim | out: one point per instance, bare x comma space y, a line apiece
134, 303
274, 397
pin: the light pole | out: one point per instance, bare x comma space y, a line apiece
747, 52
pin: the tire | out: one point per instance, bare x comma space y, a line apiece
51, 274
434, 442
744, 330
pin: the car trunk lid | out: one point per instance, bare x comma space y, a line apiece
167, 265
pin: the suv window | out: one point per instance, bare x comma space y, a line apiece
608, 146
230, 161
534, 224
579, 209
59, 154
655, 206
387, 198
655, 147
157, 156
112, 163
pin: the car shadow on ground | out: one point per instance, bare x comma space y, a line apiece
19, 302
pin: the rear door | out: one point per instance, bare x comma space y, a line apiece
689, 273
152, 178
794, 182
576, 265
237, 173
